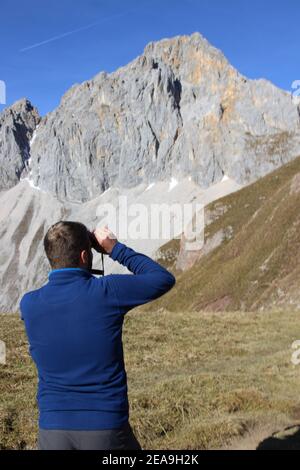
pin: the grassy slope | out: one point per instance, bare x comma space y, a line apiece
259, 266
195, 380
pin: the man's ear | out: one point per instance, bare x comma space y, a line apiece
84, 257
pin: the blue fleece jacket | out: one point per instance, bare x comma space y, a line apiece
74, 327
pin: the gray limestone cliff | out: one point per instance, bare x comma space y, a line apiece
180, 109
17, 125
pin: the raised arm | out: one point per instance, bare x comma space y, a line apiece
149, 280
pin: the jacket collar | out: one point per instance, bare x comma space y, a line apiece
68, 274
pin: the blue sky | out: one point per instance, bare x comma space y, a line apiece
259, 37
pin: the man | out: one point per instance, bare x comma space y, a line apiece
74, 326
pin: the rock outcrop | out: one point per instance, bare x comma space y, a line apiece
17, 125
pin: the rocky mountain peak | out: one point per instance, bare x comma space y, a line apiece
178, 110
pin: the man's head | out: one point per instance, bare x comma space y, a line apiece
68, 245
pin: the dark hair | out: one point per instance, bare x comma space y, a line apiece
64, 242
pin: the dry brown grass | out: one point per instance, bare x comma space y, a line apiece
196, 380
259, 265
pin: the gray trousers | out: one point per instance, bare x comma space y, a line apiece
111, 439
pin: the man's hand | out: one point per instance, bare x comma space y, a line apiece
103, 240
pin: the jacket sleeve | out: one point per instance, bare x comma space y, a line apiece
149, 281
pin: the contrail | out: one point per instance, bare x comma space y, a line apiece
68, 33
